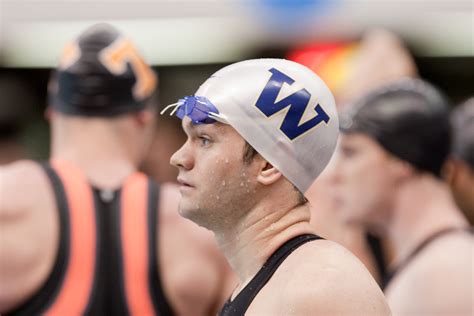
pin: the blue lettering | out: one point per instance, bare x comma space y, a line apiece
297, 102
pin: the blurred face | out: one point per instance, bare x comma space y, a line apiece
216, 185
363, 181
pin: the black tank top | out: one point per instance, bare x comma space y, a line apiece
242, 301
106, 263
402, 265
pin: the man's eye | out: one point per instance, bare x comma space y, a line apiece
204, 141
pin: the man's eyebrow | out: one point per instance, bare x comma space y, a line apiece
190, 127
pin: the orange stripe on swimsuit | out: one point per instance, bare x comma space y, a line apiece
134, 227
76, 288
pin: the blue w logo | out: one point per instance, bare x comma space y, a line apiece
297, 102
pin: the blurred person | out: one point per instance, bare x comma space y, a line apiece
258, 133
16, 102
460, 166
394, 144
352, 70
86, 234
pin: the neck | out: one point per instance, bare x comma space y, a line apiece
249, 243
422, 208
101, 156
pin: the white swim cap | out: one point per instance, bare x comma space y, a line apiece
283, 110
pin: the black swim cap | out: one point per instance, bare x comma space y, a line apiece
462, 120
101, 74
409, 119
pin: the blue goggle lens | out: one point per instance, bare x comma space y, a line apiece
197, 108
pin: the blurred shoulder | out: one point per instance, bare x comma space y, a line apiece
442, 265
26, 169
437, 281
22, 185
29, 228
451, 253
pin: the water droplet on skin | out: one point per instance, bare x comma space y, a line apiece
270, 228
226, 160
223, 183
241, 184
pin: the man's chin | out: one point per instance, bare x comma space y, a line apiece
185, 212
194, 216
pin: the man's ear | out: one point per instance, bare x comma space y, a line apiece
268, 174
401, 169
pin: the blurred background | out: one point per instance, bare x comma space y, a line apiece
353, 44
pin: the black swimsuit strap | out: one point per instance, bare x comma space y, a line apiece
391, 274
243, 300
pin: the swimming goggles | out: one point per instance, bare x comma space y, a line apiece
199, 109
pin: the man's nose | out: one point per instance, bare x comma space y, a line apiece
182, 158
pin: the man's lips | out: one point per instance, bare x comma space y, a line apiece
184, 183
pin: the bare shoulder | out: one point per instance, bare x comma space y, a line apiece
453, 252
457, 244
22, 185
448, 259
323, 277
438, 280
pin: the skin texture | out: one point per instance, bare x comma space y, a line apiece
196, 278
253, 210
389, 197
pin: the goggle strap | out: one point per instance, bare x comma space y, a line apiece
217, 117
175, 105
